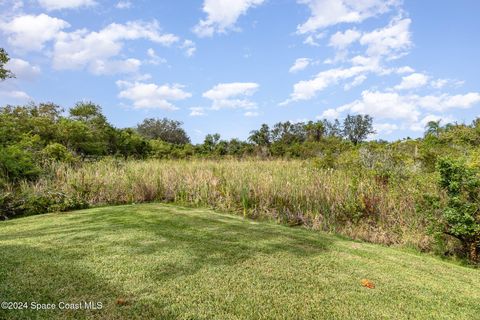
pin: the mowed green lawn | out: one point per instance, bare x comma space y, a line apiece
165, 262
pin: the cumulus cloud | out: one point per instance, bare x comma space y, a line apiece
99, 52
383, 105
300, 64
446, 101
325, 13
123, 5
415, 80
440, 83
384, 128
110, 67
154, 58
307, 89
391, 41
31, 32
197, 111
329, 114
14, 95
10, 94
407, 108
189, 47
404, 69
358, 80
388, 43
151, 95
51, 5
22, 69
232, 95
222, 15
92, 50
341, 40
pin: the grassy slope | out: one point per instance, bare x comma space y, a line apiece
171, 262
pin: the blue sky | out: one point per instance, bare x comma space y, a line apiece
228, 66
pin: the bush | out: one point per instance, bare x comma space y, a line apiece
461, 215
17, 164
58, 152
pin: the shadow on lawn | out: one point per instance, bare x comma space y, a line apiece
206, 239
52, 263
32, 275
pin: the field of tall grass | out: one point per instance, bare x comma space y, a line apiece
353, 203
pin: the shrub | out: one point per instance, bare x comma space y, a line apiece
17, 164
461, 215
57, 151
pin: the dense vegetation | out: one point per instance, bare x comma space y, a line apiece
155, 261
322, 174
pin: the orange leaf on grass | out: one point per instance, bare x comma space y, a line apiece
368, 284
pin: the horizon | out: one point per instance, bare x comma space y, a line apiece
229, 69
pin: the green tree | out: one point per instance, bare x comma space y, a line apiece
433, 128
315, 130
462, 213
261, 137
357, 128
4, 73
131, 144
101, 135
167, 130
210, 143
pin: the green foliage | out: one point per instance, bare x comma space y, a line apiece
166, 130
462, 213
4, 73
58, 152
131, 144
17, 163
357, 128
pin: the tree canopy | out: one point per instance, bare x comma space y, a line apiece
4, 73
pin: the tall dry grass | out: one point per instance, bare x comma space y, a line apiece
295, 192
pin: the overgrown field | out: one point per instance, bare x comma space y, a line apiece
353, 203
158, 261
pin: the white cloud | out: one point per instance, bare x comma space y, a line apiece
300, 64
356, 82
383, 105
22, 69
197, 111
445, 101
14, 95
222, 15
65, 4
392, 105
325, 13
83, 49
30, 32
232, 95
123, 5
341, 40
329, 114
384, 128
312, 39
189, 47
10, 94
391, 41
420, 125
307, 89
109, 67
412, 81
404, 69
440, 83
151, 95
154, 59
251, 114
